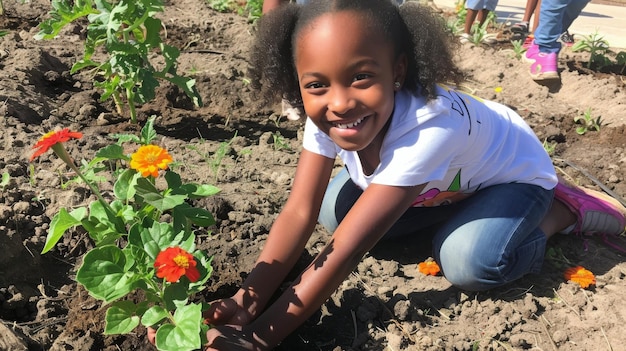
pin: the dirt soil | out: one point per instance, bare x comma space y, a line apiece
385, 304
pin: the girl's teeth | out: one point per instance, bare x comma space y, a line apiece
349, 125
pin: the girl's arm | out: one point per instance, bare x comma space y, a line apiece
370, 218
284, 245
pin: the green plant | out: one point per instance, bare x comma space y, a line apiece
6, 178
221, 5
518, 49
550, 147
588, 122
279, 141
136, 248
215, 160
254, 8
597, 46
130, 34
621, 60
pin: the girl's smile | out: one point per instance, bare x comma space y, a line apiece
347, 70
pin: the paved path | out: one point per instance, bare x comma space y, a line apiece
608, 20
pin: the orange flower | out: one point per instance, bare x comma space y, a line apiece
174, 262
429, 267
149, 159
580, 275
50, 139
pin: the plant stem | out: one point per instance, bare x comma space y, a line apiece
60, 151
1, 8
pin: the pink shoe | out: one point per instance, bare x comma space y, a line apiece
532, 50
596, 212
544, 66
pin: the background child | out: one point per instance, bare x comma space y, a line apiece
477, 10
417, 155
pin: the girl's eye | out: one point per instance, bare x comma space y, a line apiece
314, 85
361, 76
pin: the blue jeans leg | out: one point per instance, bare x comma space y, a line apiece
342, 193
485, 241
493, 238
555, 17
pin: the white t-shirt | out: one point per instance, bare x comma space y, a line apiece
455, 144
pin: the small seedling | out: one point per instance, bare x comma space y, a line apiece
6, 177
550, 147
597, 46
588, 122
518, 49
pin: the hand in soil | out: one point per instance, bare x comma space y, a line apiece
233, 338
227, 311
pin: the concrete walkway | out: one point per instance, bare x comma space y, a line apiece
608, 20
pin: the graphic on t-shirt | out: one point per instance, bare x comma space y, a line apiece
435, 197
459, 105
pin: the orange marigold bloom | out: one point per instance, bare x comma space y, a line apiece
174, 262
52, 138
429, 267
149, 159
581, 276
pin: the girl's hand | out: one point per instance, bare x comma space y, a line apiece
233, 338
227, 311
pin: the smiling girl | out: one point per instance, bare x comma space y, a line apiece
417, 155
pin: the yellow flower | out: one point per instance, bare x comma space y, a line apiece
581, 276
149, 159
497, 90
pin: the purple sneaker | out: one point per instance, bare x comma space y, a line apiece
544, 66
532, 50
597, 213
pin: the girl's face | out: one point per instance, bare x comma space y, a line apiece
347, 73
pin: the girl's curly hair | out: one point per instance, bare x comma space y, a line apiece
414, 29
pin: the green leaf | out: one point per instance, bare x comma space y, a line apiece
120, 318
61, 15
152, 238
124, 187
197, 216
153, 316
61, 222
173, 180
176, 295
195, 191
112, 152
104, 275
149, 193
147, 132
184, 334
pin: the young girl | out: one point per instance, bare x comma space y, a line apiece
416, 155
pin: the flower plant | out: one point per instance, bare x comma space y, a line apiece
135, 248
130, 34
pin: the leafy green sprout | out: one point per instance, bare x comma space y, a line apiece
589, 123
280, 143
215, 160
597, 46
550, 147
4, 181
518, 49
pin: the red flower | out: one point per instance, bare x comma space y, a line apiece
174, 262
52, 138
428, 267
581, 276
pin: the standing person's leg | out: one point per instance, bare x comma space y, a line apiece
551, 16
472, 8
523, 27
536, 17
491, 240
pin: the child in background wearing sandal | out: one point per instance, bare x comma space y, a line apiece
417, 154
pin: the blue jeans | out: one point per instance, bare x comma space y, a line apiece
484, 241
555, 17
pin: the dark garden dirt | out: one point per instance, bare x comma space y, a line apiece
385, 304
